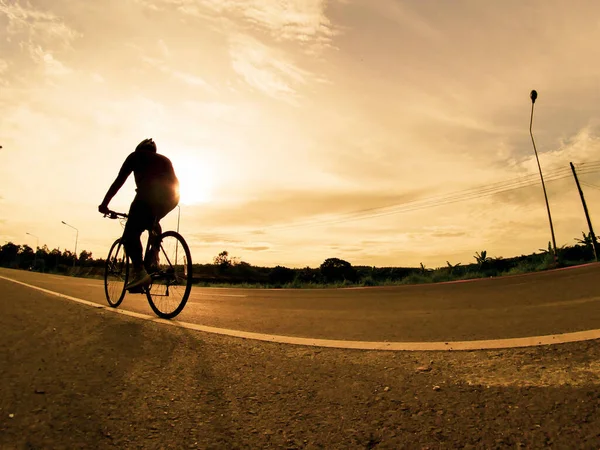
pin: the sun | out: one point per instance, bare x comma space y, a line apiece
196, 178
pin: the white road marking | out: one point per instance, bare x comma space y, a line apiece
357, 345
217, 295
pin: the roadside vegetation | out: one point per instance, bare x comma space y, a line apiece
227, 271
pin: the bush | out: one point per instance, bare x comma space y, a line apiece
577, 253
281, 275
308, 276
369, 281
416, 278
439, 276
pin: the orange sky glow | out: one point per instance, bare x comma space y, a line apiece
385, 133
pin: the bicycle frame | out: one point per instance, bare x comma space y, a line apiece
152, 235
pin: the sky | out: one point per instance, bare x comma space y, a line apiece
384, 133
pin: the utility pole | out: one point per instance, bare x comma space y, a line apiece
533, 97
587, 214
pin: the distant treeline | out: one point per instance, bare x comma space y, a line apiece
332, 272
44, 259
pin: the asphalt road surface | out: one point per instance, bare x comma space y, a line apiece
81, 377
537, 304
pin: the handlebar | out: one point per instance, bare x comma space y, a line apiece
115, 215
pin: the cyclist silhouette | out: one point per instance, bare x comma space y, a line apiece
157, 194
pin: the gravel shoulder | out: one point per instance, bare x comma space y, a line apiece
78, 377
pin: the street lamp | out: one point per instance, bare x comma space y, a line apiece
533, 97
37, 247
76, 236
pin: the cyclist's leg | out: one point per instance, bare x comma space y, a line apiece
159, 211
151, 257
137, 222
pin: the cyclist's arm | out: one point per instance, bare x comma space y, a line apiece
124, 173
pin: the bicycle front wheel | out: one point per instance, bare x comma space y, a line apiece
172, 281
116, 273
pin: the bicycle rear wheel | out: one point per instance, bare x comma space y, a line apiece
172, 281
116, 273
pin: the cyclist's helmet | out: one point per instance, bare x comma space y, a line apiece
147, 145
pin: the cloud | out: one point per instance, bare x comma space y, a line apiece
256, 248
192, 80
253, 28
212, 238
265, 69
302, 21
36, 33
188, 78
97, 78
36, 25
293, 208
215, 240
164, 49
52, 66
406, 17
444, 234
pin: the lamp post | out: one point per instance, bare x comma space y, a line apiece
36, 249
533, 97
76, 237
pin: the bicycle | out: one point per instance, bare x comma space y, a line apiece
171, 272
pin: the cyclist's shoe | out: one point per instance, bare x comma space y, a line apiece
138, 290
139, 280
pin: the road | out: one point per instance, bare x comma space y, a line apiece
537, 304
81, 377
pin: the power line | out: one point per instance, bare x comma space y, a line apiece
436, 203
459, 196
474, 193
489, 188
593, 186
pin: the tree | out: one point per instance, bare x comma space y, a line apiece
335, 269
8, 254
67, 258
481, 258
245, 271
54, 258
549, 253
26, 257
222, 260
587, 239
452, 267
85, 256
549, 250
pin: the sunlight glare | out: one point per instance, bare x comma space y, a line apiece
196, 178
